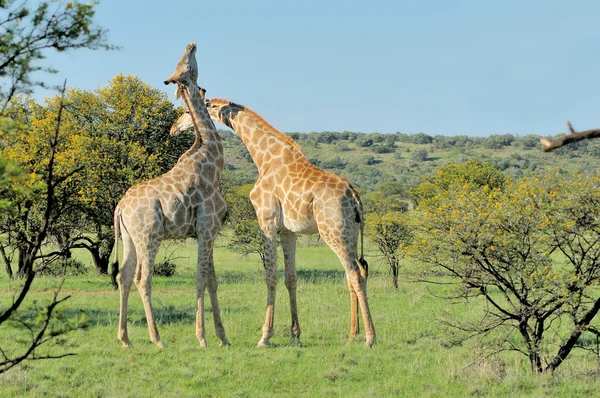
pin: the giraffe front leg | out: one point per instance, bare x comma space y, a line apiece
144, 286
288, 242
211, 282
270, 246
200, 286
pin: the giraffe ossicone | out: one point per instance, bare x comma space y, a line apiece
292, 196
184, 202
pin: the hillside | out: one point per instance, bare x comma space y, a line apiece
368, 160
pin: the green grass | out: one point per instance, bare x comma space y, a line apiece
413, 355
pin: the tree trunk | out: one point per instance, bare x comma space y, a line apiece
100, 261
23, 264
533, 346
6, 260
395, 274
568, 345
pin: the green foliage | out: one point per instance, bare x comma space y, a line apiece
15, 185
473, 173
70, 267
420, 155
530, 248
26, 34
391, 233
421, 138
241, 218
110, 139
164, 268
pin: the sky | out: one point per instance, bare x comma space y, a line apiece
447, 67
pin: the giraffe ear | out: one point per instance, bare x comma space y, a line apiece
202, 92
177, 92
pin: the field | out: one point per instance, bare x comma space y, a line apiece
412, 357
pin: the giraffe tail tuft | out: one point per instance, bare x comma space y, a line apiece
360, 219
115, 264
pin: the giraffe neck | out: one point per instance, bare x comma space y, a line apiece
207, 147
264, 142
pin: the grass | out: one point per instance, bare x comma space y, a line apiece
413, 355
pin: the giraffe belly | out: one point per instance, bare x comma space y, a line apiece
305, 225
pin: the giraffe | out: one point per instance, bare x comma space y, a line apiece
291, 196
184, 202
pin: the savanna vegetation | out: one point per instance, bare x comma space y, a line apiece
484, 252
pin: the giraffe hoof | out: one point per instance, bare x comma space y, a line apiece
203, 343
159, 344
224, 343
262, 344
296, 342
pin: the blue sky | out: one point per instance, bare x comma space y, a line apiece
440, 67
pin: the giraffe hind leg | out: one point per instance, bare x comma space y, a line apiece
144, 284
124, 280
357, 283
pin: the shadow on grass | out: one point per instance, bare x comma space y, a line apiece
168, 314
317, 276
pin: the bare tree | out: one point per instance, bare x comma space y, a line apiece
549, 145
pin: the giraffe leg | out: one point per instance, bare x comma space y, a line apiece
208, 278
143, 281
288, 242
354, 325
269, 236
357, 281
124, 280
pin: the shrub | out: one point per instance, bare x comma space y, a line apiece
69, 267
165, 268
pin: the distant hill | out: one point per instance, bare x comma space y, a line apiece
368, 160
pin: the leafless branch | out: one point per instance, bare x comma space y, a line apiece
549, 145
38, 339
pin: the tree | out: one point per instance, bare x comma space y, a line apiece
421, 138
420, 155
24, 38
118, 135
471, 172
14, 187
388, 226
26, 34
530, 249
241, 218
30, 241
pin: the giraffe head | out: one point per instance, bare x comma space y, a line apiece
187, 67
185, 121
222, 110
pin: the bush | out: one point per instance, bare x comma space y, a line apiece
70, 267
419, 155
164, 268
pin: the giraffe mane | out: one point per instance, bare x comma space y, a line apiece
287, 139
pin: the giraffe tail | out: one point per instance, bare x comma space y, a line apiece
360, 219
115, 264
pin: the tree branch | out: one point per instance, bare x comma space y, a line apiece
549, 145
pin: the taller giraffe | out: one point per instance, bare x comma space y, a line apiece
184, 202
292, 196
